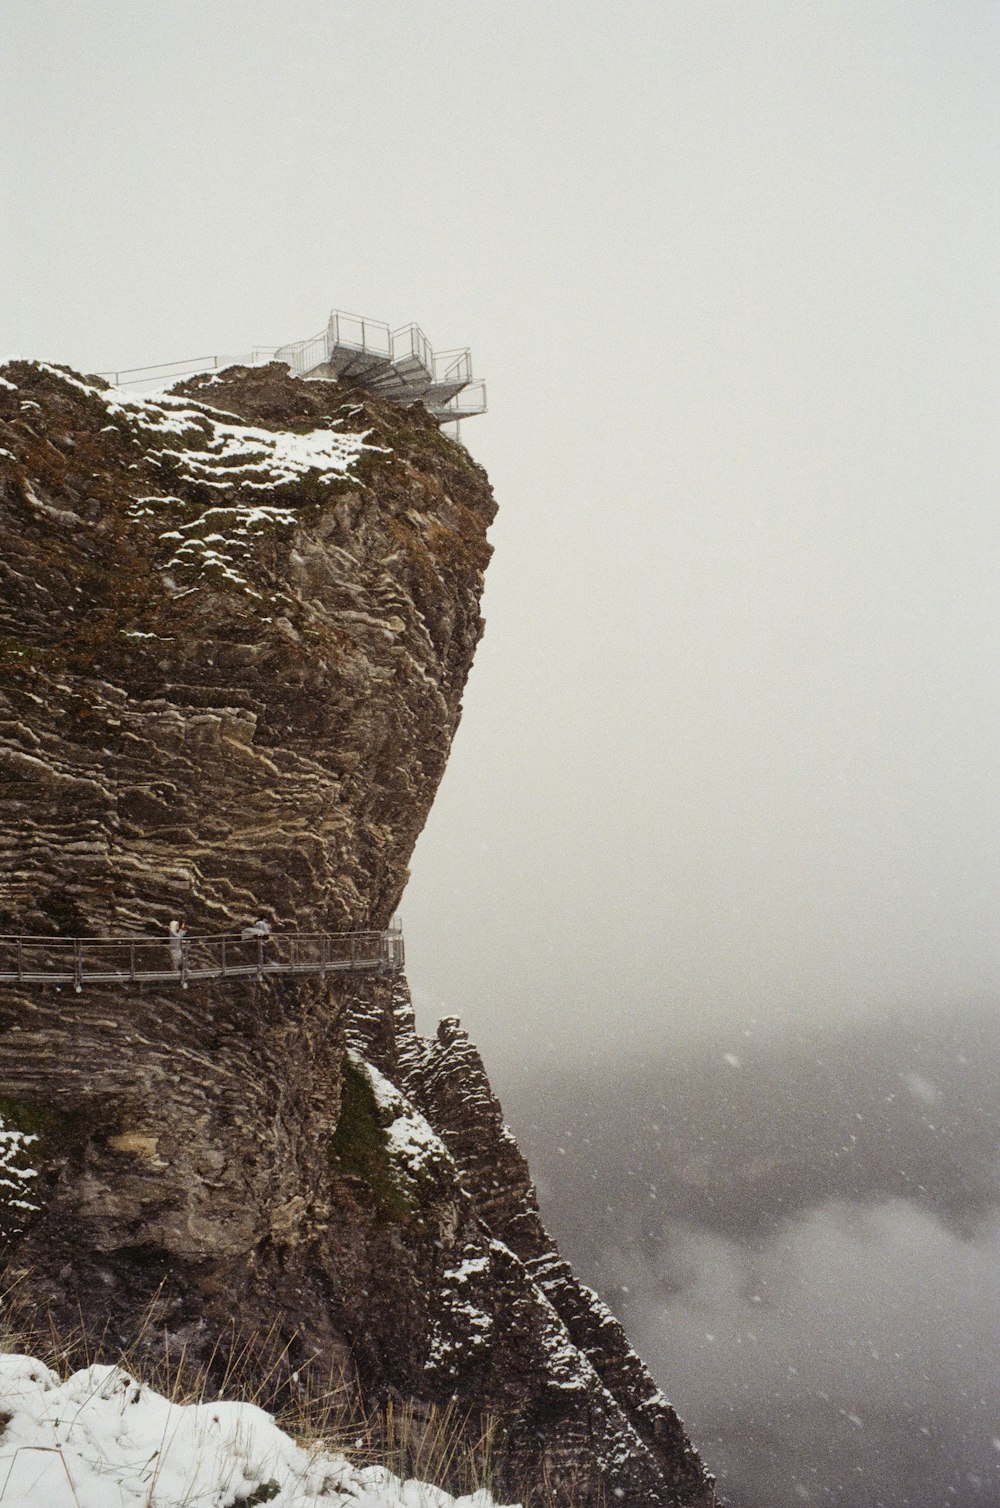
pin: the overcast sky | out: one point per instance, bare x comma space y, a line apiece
730, 271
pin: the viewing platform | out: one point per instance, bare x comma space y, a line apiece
122, 961
399, 365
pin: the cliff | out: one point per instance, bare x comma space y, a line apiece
235, 627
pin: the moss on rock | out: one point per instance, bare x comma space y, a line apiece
360, 1148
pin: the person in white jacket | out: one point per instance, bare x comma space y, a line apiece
178, 933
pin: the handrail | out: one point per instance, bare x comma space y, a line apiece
453, 365
169, 958
52, 938
380, 346
187, 361
169, 370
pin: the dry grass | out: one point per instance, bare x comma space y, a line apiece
444, 1444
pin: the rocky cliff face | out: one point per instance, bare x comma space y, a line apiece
235, 640
235, 626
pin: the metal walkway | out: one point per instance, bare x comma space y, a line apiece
121, 961
395, 364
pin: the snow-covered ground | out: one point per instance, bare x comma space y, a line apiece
102, 1440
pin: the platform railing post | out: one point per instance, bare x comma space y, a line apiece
20, 962
131, 962
77, 965
223, 958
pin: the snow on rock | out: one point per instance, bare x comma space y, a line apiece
237, 461
16, 1172
204, 447
200, 446
412, 1145
219, 454
103, 1440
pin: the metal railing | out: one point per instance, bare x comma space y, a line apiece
398, 365
356, 332
351, 345
172, 371
79, 961
453, 366
411, 350
471, 400
303, 355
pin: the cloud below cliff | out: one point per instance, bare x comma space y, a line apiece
851, 1358
802, 1236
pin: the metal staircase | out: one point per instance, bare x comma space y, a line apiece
399, 365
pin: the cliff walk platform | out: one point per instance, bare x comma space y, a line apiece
122, 961
398, 365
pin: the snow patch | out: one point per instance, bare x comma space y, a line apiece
17, 1176
102, 1438
463, 1327
412, 1145
205, 446
221, 454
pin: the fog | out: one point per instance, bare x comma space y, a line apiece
728, 759
864, 1393
801, 1232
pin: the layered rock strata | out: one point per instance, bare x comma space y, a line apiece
235, 626
234, 644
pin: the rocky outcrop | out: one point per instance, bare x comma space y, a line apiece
234, 644
587, 1407
235, 627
